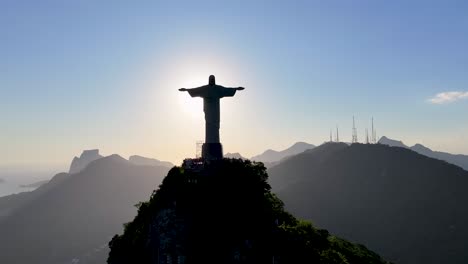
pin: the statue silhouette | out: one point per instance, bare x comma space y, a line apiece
211, 95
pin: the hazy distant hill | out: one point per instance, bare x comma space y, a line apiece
10, 203
406, 206
234, 156
34, 184
391, 142
82, 162
74, 215
457, 159
139, 160
273, 156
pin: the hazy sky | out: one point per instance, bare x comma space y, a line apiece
77, 75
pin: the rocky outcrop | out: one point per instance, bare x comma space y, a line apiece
88, 156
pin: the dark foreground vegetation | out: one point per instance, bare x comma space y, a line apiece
225, 213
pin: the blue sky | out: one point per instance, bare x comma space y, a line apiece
104, 74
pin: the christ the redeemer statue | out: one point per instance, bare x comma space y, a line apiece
211, 94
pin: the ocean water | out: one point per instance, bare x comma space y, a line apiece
11, 186
11, 179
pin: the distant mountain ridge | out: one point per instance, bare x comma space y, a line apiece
139, 160
270, 156
408, 207
456, 159
71, 218
88, 156
235, 155
34, 184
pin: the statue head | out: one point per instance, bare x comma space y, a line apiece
211, 80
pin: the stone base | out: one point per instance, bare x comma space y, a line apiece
212, 151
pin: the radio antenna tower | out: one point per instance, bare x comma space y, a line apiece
354, 137
367, 136
373, 135
331, 139
337, 135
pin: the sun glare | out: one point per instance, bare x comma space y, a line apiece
191, 71
191, 106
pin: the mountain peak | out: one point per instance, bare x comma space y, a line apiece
300, 143
88, 156
459, 160
274, 156
90, 153
116, 157
421, 148
391, 142
235, 155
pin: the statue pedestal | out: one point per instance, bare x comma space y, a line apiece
212, 151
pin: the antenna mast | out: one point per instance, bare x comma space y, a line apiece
354, 137
337, 135
373, 141
367, 136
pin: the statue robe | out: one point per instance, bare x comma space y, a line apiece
211, 95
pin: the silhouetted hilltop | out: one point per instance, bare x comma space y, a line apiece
139, 160
457, 159
408, 207
82, 162
225, 213
270, 156
75, 215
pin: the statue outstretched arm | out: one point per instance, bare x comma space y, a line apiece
235, 88
228, 91
189, 89
194, 92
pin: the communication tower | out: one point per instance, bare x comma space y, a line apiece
354, 137
337, 135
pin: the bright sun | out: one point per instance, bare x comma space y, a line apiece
191, 71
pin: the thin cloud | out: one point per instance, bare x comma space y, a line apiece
448, 97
